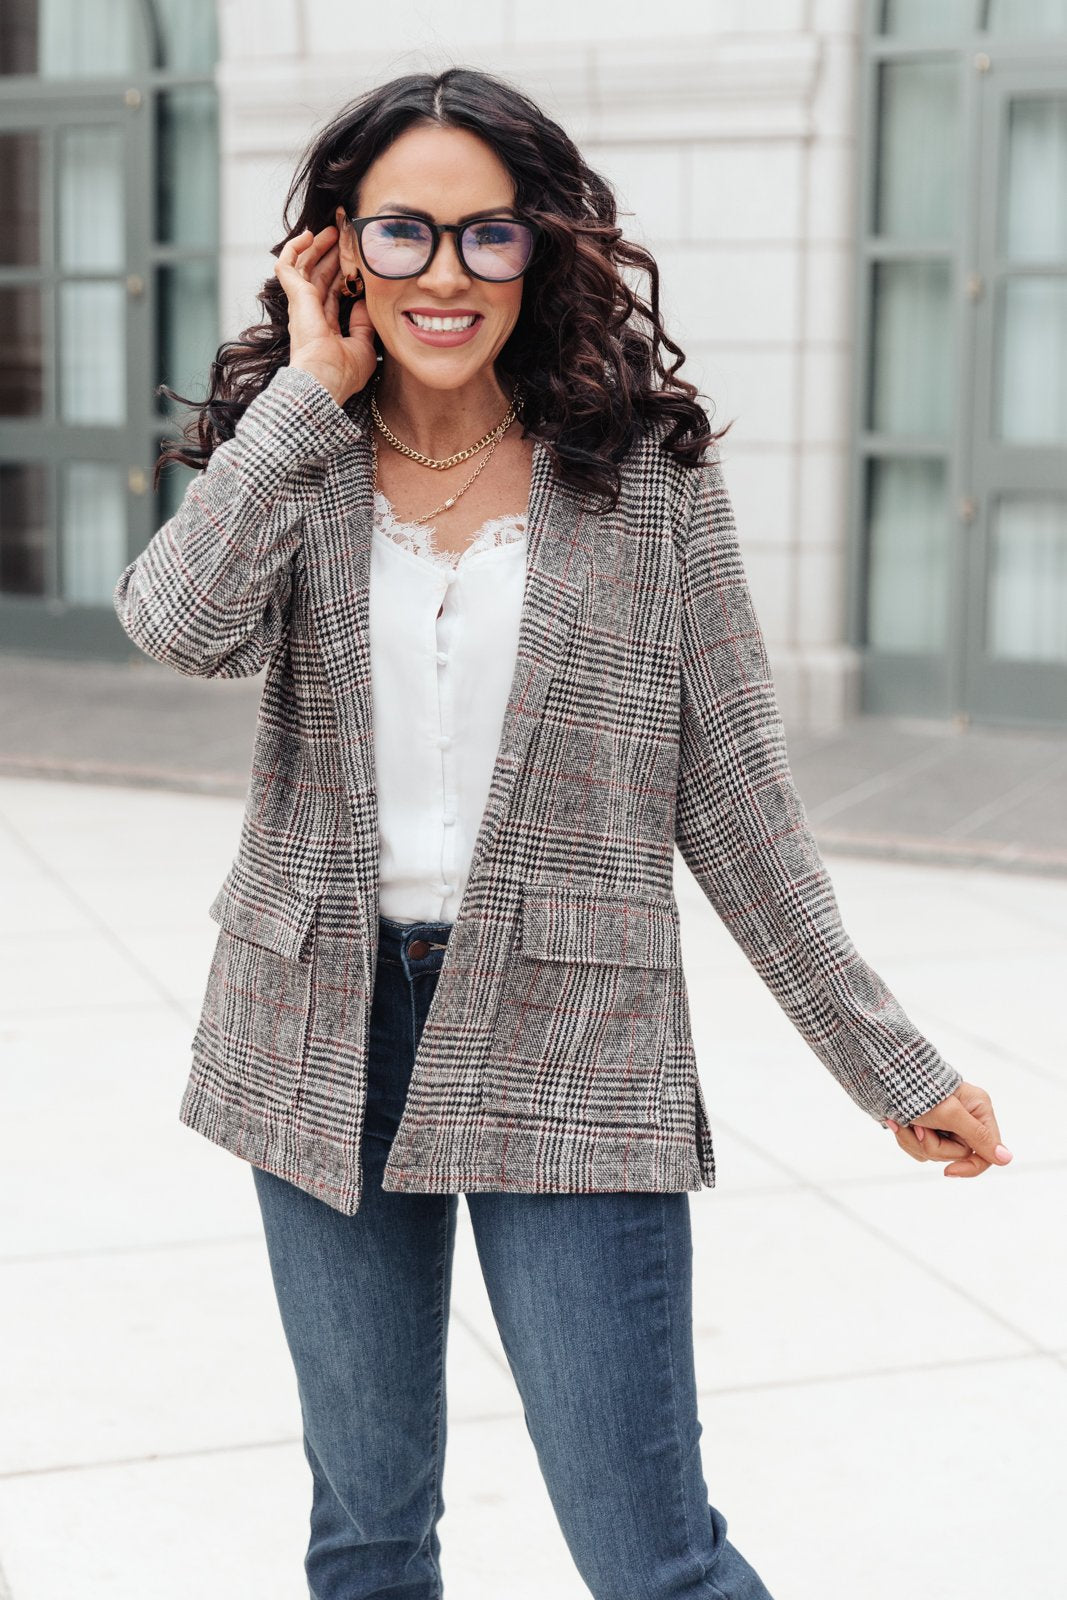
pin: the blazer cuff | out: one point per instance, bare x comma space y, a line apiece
921, 1082
297, 416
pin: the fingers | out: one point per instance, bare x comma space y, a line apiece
312, 257
936, 1144
965, 1163
969, 1167
961, 1130
333, 321
924, 1144
976, 1127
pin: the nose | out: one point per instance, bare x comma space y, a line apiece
447, 264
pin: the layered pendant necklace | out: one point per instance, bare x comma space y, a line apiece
488, 442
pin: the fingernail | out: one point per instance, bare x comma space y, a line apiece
1002, 1153
891, 1124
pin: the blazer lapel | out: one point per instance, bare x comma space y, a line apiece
560, 529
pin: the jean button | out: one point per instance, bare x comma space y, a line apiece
417, 949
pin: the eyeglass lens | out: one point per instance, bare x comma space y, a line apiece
396, 247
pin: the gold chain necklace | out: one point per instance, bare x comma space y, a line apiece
446, 461
450, 502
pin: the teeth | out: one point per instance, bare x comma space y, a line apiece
441, 324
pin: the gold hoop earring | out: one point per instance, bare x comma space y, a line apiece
347, 289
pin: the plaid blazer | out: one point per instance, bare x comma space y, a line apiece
557, 1054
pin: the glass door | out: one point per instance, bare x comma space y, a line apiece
74, 349
109, 206
1015, 665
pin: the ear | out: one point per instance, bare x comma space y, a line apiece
346, 242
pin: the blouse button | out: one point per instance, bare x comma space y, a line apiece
443, 742
448, 821
442, 657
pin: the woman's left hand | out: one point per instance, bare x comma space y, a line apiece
962, 1130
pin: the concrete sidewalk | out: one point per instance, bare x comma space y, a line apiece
882, 1353
888, 788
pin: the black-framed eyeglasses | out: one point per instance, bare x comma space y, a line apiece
495, 249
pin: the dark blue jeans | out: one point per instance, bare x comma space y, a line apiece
592, 1295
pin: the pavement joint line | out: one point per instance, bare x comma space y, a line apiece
121, 775
929, 849
859, 1375
979, 891
939, 851
810, 1186
1049, 1164
129, 1008
94, 1252
511, 1417
103, 928
928, 1268
1001, 804
877, 783
1009, 1059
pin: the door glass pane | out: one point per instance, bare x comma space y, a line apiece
21, 353
917, 182
1027, 614
1027, 16
911, 349
180, 36
91, 192
188, 198
1034, 216
24, 540
1030, 378
93, 542
87, 38
187, 334
188, 39
908, 548
918, 17
20, 203
92, 352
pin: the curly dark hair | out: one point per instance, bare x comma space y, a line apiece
592, 355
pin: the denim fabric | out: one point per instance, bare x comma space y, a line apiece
592, 1295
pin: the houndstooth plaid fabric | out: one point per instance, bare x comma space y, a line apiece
557, 1054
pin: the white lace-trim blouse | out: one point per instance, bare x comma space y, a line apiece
444, 629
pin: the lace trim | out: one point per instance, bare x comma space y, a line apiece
418, 536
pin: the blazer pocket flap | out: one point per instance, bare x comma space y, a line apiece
561, 923
265, 911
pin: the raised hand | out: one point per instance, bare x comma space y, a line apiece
309, 270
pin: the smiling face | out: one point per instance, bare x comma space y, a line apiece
449, 174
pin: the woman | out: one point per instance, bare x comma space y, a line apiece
462, 509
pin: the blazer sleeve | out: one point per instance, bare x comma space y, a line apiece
742, 829
209, 595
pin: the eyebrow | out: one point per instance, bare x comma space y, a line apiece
394, 207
